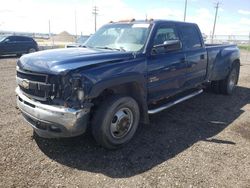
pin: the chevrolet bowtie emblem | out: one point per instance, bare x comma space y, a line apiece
25, 84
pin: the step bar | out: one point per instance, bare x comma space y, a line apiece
170, 104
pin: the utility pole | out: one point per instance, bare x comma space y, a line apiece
95, 13
215, 19
49, 30
248, 49
75, 25
50, 36
185, 12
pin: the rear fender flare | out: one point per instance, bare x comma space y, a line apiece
223, 65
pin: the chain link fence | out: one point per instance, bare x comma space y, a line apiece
231, 39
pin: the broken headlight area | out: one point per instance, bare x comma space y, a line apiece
71, 92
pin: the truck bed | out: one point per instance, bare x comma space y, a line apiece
219, 58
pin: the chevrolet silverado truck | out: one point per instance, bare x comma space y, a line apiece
125, 72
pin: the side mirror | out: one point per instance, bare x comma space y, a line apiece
167, 46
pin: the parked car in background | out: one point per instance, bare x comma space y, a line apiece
17, 45
79, 42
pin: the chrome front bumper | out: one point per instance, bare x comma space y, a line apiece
52, 121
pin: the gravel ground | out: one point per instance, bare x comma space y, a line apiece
203, 142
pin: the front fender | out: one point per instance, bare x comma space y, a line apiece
139, 93
99, 87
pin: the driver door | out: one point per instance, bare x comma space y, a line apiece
166, 69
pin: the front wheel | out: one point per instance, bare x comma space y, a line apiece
115, 121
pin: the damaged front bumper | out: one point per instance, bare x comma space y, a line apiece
52, 121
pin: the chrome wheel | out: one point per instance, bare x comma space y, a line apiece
121, 123
115, 121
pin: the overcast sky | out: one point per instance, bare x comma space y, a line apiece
34, 15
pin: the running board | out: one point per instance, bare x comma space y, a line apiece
170, 104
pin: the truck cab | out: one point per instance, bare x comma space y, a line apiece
123, 73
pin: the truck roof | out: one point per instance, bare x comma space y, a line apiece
155, 21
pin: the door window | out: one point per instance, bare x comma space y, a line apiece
165, 34
10, 39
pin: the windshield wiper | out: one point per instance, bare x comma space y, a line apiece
108, 48
84, 46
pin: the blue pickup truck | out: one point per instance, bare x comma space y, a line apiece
125, 72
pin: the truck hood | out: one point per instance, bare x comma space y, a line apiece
61, 61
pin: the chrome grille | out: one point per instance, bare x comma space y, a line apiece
34, 85
32, 76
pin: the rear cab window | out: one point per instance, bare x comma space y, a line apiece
190, 36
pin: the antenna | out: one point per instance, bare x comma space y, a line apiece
215, 19
95, 13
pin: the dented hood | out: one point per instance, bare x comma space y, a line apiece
60, 61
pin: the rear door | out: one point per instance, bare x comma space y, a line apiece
195, 52
166, 70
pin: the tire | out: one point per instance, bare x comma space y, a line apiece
227, 85
31, 50
115, 121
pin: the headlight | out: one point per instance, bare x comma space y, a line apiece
78, 88
76, 83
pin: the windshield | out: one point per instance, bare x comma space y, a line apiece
82, 39
123, 37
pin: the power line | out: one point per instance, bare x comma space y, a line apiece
185, 12
215, 19
95, 13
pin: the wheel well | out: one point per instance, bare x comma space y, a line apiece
237, 62
132, 89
